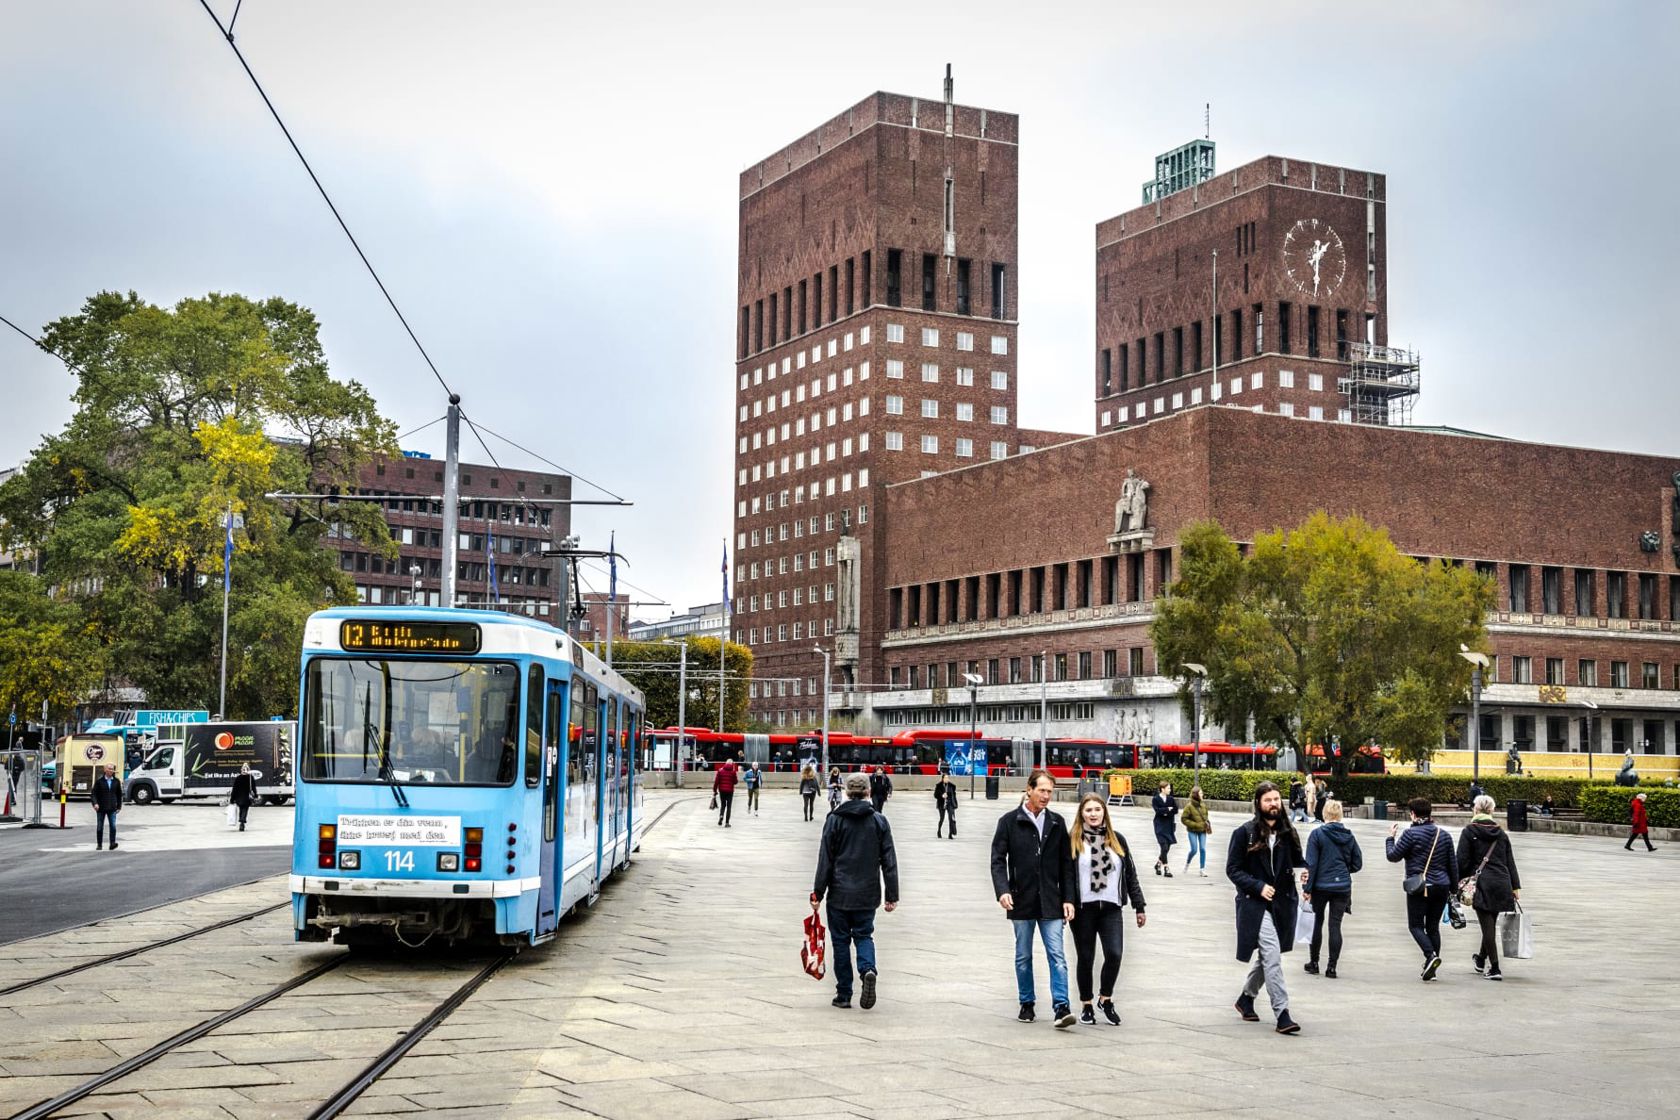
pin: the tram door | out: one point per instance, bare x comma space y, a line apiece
551, 862
580, 789
603, 817
633, 734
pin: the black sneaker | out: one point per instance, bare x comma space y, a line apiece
1431, 967
1109, 1013
1312, 967
867, 1000
1286, 1025
1479, 961
842, 1001
1167, 872
1088, 1017
1064, 1016
1494, 974
1245, 1008
1026, 1015
1330, 973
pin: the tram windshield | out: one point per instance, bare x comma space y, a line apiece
439, 722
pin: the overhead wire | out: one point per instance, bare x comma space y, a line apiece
227, 33
552, 463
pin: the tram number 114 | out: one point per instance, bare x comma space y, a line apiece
399, 861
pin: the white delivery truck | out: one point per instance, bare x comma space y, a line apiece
203, 759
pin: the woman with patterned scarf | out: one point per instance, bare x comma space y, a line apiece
1106, 876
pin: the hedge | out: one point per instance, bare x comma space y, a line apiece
1397, 789
1609, 804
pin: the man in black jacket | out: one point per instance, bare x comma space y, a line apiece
106, 796
855, 856
1261, 864
945, 799
880, 788
1034, 879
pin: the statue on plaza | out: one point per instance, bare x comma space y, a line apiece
1131, 512
1627, 775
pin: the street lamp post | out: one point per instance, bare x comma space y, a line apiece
682, 708
1586, 734
824, 770
1477, 661
973, 680
1198, 675
1043, 711
414, 593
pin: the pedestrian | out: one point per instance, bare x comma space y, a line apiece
1486, 848
1297, 802
1431, 874
834, 786
107, 798
808, 789
723, 787
1260, 862
945, 799
1033, 877
1197, 829
244, 792
1333, 859
1547, 807
880, 788
1641, 829
1166, 825
1320, 796
753, 779
1107, 877
854, 858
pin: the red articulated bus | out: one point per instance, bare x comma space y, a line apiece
1216, 755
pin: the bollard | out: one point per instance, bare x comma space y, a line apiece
63, 800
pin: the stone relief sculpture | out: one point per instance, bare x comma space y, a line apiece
847, 554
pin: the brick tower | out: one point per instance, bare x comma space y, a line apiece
876, 343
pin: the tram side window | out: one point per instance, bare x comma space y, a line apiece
551, 793
589, 739
533, 725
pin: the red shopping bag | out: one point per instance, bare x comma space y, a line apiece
814, 953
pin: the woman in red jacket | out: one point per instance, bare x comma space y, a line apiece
1641, 829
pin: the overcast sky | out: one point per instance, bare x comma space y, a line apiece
550, 192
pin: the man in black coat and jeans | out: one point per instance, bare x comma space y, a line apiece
1261, 863
855, 856
1035, 882
107, 797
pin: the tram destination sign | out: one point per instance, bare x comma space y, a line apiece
359, 635
433, 832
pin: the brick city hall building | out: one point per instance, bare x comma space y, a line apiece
889, 509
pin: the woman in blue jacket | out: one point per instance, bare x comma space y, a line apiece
1333, 859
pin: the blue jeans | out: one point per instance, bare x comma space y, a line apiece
845, 929
1198, 844
1050, 932
101, 816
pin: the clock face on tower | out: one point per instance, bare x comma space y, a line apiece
1314, 258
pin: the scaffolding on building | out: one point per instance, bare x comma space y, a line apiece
1381, 384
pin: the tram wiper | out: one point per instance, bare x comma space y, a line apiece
386, 774
390, 776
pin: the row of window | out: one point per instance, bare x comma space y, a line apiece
800, 527
835, 484
1558, 594
1218, 390
798, 462
1126, 367
964, 339
783, 565
1521, 670
1099, 581
990, 714
841, 343
778, 599
466, 480
1601, 735
930, 374
801, 631
505, 512
796, 395
1080, 665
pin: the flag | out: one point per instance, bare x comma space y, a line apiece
227, 551
490, 547
612, 572
726, 577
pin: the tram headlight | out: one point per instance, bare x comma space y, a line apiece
349, 861
449, 861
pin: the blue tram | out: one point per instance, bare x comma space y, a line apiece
468, 776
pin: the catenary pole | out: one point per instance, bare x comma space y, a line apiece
682, 709
451, 499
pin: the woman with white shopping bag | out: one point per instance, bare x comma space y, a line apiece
1491, 885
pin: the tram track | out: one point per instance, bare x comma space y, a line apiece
125, 954
346, 1095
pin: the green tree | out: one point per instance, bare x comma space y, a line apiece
1324, 631
653, 668
183, 414
48, 651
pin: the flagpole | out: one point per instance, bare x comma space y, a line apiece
723, 640
227, 580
